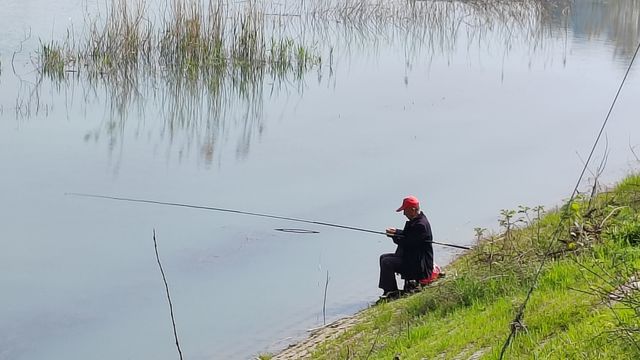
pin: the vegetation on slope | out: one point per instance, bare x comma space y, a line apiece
584, 303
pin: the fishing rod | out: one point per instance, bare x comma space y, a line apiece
247, 213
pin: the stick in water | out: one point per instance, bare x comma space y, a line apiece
324, 303
166, 286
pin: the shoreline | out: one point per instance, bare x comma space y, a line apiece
569, 255
304, 347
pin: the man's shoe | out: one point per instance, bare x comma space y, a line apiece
390, 295
411, 286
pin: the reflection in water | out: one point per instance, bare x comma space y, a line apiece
616, 21
207, 91
203, 67
197, 117
437, 25
201, 115
188, 114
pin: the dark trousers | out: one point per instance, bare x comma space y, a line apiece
390, 264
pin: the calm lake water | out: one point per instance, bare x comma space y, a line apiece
496, 114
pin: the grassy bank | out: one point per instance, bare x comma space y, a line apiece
584, 303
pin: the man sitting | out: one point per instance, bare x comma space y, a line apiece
413, 258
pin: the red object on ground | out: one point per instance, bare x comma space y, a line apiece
435, 274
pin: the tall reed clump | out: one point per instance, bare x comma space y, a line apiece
247, 49
118, 43
191, 39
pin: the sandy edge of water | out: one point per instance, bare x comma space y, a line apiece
304, 348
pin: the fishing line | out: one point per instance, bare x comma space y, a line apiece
555, 234
248, 213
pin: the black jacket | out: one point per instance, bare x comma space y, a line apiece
415, 247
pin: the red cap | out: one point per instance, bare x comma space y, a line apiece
410, 202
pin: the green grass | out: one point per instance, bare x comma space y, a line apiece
569, 314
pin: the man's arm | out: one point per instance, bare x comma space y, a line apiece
413, 235
395, 234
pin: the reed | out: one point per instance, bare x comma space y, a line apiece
52, 60
214, 38
238, 44
200, 59
436, 25
118, 43
190, 39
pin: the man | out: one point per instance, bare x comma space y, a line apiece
413, 258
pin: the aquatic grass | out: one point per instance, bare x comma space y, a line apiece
119, 42
196, 38
249, 35
280, 52
417, 12
237, 45
198, 57
190, 39
52, 60
223, 55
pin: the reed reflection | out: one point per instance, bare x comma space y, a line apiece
203, 67
617, 22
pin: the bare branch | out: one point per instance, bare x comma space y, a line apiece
632, 148
324, 302
166, 286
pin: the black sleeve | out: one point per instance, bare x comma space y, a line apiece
413, 235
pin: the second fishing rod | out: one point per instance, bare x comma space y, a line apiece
210, 208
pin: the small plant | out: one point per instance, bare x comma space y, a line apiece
52, 60
524, 210
479, 233
508, 223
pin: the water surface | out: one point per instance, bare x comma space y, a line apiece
471, 122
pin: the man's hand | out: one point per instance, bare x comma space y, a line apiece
391, 232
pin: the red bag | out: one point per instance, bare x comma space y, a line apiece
435, 274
